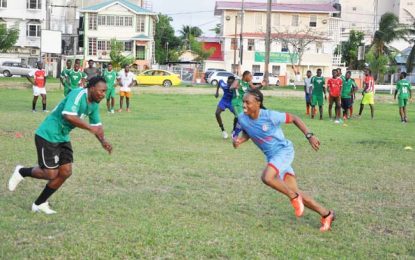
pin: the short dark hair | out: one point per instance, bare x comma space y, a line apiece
91, 60
349, 72
308, 71
318, 69
404, 74
95, 80
246, 72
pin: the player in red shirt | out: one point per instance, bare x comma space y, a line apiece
334, 86
38, 80
368, 93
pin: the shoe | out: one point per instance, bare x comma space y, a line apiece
112, 111
298, 205
44, 207
337, 121
326, 222
224, 135
45, 111
34, 111
15, 179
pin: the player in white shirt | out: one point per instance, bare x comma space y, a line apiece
308, 89
126, 80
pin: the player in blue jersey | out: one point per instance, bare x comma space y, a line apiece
264, 128
225, 102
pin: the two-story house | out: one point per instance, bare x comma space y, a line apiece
287, 21
124, 21
29, 16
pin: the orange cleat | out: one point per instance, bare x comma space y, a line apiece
298, 205
326, 222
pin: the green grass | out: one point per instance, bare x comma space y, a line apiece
24, 80
174, 189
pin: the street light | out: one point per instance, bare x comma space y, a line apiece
167, 52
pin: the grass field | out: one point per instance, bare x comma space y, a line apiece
174, 189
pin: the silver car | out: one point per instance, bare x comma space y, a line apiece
10, 68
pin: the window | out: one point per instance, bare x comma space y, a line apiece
119, 20
258, 19
141, 52
33, 4
319, 47
140, 23
256, 68
128, 46
92, 46
234, 44
128, 21
354, 8
33, 30
92, 25
110, 20
294, 20
251, 44
3, 3
102, 19
103, 45
284, 47
276, 70
313, 21
275, 19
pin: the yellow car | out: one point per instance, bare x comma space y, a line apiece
158, 77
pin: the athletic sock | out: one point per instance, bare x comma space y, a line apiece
44, 106
26, 172
222, 128
44, 196
235, 121
33, 106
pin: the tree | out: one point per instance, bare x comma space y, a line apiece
377, 63
165, 36
296, 43
188, 30
197, 47
350, 49
118, 60
217, 30
8, 37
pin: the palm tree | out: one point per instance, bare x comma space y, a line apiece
188, 30
389, 30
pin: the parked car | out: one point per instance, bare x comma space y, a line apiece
219, 75
210, 71
158, 77
10, 68
258, 77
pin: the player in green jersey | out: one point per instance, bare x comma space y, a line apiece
76, 77
404, 93
65, 77
53, 144
317, 94
349, 85
110, 77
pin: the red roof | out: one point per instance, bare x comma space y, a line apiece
278, 35
276, 7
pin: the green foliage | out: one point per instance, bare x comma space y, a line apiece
118, 60
165, 34
8, 37
188, 31
217, 30
377, 63
350, 49
197, 47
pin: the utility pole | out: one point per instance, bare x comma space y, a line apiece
375, 18
268, 42
241, 45
235, 45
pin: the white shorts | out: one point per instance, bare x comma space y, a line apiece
38, 91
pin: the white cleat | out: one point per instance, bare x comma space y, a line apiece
337, 121
224, 135
15, 179
44, 207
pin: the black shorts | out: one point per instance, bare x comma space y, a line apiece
52, 155
346, 103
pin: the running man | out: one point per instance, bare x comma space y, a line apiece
225, 102
368, 93
347, 94
110, 77
65, 78
38, 80
334, 86
317, 94
76, 77
404, 92
308, 88
264, 128
91, 71
126, 79
54, 150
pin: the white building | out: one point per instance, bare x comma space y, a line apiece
29, 16
288, 20
122, 20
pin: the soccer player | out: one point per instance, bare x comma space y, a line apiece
334, 86
110, 77
317, 94
340, 75
65, 78
91, 71
263, 127
404, 92
368, 93
38, 80
54, 150
225, 102
76, 77
347, 93
126, 79
308, 88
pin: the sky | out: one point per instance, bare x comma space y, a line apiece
189, 12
